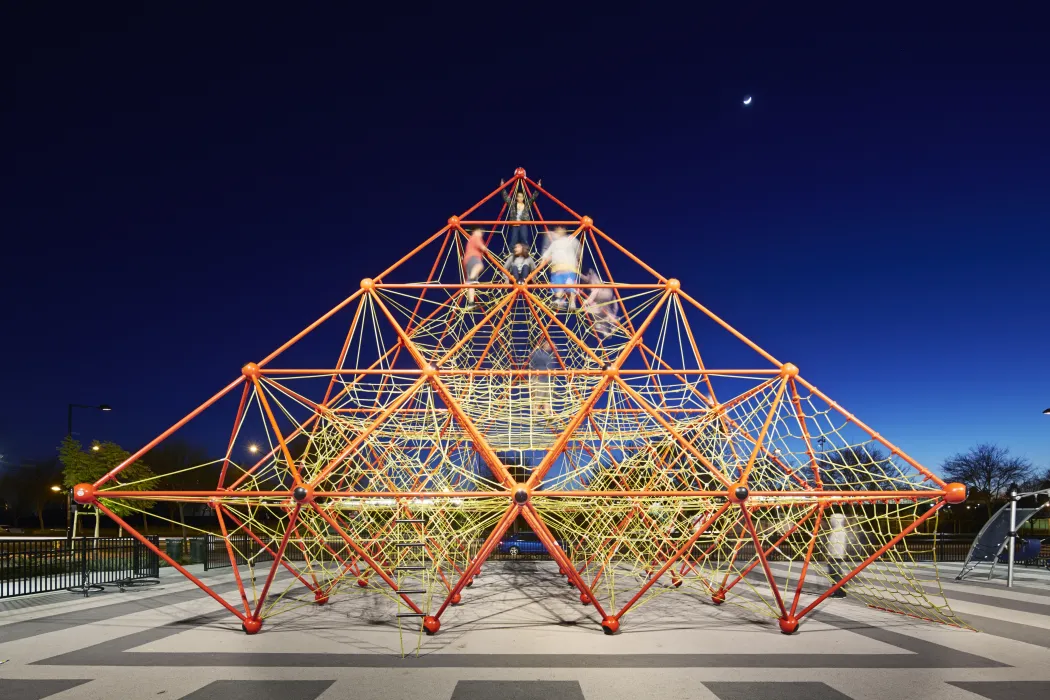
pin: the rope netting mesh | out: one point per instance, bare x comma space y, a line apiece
594, 395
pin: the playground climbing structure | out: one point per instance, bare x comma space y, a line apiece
388, 446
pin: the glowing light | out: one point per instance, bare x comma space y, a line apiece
253, 448
747, 100
56, 489
94, 448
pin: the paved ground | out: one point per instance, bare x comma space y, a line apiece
515, 642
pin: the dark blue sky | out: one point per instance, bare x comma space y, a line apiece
184, 189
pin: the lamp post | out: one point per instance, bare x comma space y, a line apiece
69, 414
69, 433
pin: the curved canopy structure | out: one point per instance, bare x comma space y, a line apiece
995, 534
407, 429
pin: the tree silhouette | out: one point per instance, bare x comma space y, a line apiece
28, 488
81, 466
988, 470
858, 467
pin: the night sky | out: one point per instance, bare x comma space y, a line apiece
184, 189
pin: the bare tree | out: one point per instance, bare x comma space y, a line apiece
858, 467
988, 470
1038, 481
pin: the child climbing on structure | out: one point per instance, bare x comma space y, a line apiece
563, 256
542, 360
519, 263
601, 304
474, 263
519, 208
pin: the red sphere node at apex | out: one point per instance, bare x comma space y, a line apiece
660, 451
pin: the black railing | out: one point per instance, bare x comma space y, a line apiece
245, 550
43, 565
919, 548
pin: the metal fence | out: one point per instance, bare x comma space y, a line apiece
44, 565
949, 548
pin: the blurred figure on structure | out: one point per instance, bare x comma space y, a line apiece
600, 303
563, 256
474, 263
519, 208
837, 540
542, 360
519, 263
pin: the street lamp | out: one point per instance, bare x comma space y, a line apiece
69, 414
56, 489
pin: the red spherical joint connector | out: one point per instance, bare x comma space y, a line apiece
368, 284
673, 285
431, 624
362, 582
251, 371
737, 493
789, 371
719, 597
585, 599
320, 597
561, 572
610, 370
521, 496
453, 221
84, 493
610, 625
470, 582
953, 493
676, 580
788, 625
303, 494
519, 172
586, 221
429, 370
251, 625
456, 599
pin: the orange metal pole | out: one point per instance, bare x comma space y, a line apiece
248, 530
894, 450
762, 433
797, 403
233, 436
297, 337
667, 565
740, 336
233, 560
364, 555
670, 429
394, 405
629, 254
276, 561
292, 467
540, 528
863, 565
482, 555
762, 557
174, 564
807, 560
153, 443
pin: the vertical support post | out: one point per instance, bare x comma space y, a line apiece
1011, 543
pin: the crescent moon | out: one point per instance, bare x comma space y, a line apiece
747, 100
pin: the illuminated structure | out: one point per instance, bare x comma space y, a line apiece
665, 451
